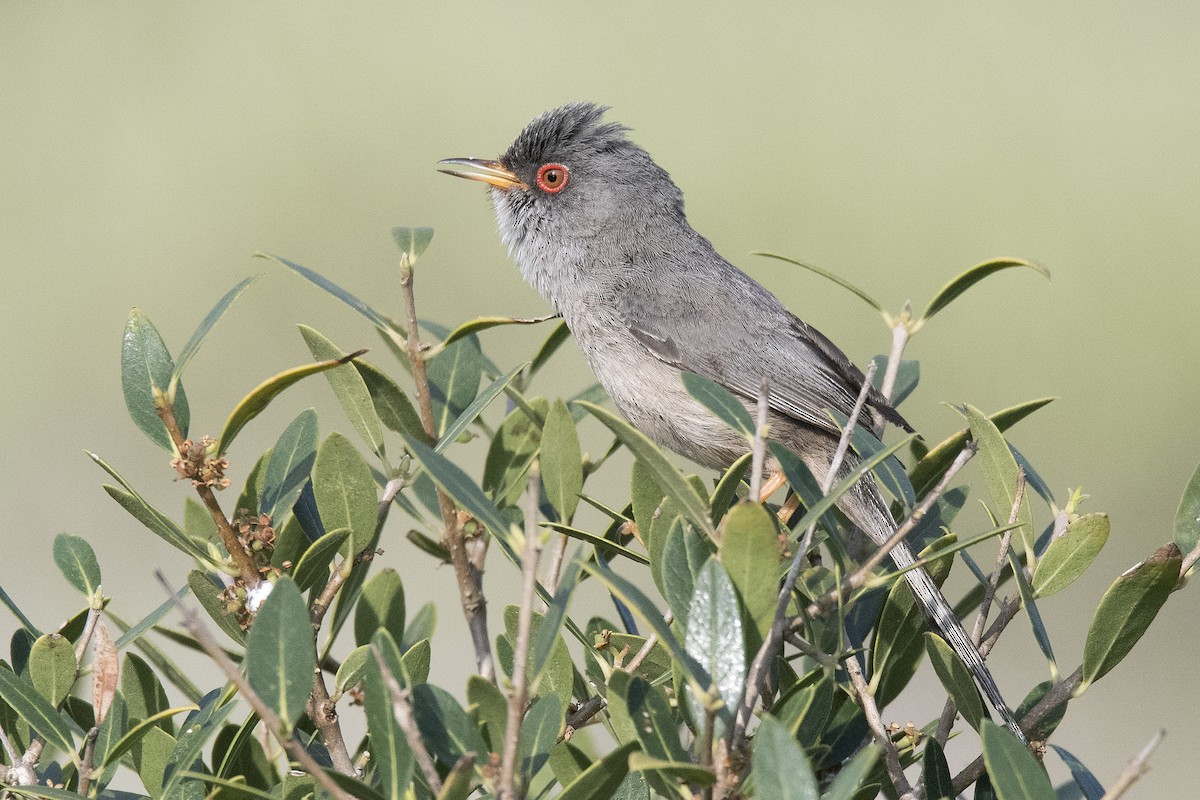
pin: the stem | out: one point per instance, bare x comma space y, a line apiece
468, 575
900, 334
759, 447
1135, 769
193, 625
402, 711
891, 756
85, 765
519, 695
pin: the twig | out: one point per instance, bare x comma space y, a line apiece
706, 747
199, 632
469, 575
641, 654
85, 764
900, 334
554, 571
948, 711
580, 716
517, 698
402, 711
85, 638
1135, 769
804, 646
859, 577
1058, 694
759, 446
247, 569
891, 756
774, 640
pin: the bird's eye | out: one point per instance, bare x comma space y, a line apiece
552, 178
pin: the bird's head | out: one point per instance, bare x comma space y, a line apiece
570, 183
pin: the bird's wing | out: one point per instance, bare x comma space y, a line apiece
711, 336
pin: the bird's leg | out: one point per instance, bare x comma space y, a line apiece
772, 484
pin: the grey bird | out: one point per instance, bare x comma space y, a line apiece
598, 228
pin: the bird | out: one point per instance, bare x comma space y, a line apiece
598, 228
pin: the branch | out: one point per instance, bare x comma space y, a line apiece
1058, 694
759, 446
517, 698
402, 712
891, 756
469, 575
199, 632
1135, 769
774, 641
900, 334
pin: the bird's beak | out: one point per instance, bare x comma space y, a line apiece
492, 173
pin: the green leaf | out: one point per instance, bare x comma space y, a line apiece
214, 604
390, 750
601, 779
395, 410
345, 492
926, 472
1068, 556
966, 280
146, 365
935, 773
1015, 774
412, 241
726, 489
1000, 472
448, 732
1126, 611
806, 708
717, 399
350, 389
52, 667
553, 675
77, 562
606, 546
561, 461
715, 637
289, 467
908, 375
35, 710
206, 325
254, 403
421, 626
128, 498
377, 319
454, 376
472, 412
549, 347
824, 273
955, 678
1045, 729
279, 655
684, 770
750, 554
849, 781
1084, 779
779, 767
539, 733
1187, 517
417, 660
143, 692
546, 646
513, 448
657, 727
478, 324
679, 555
350, 672
670, 479
460, 781
489, 708
193, 736
455, 483
313, 566
380, 606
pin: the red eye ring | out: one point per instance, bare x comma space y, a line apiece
552, 178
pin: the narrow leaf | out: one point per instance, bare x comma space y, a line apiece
454, 376
779, 767
390, 750
1126, 611
472, 412
146, 365
600, 780
289, 467
345, 491
1000, 473
717, 399
561, 461
935, 773
156, 521
1084, 779
1187, 516
313, 566
377, 319
824, 273
966, 280
206, 325
381, 605
1071, 554
607, 547
349, 388
1015, 774
539, 733
35, 710
955, 678
279, 655
483, 323
254, 403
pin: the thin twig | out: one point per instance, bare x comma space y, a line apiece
554, 571
759, 446
1135, 769
517, 698
891, 756
85, 764
403, 714
948, 711
469, 575
761, 665
85, 638
1058, 694
900, 336
199, 632
859, 577
580, 716
804, 646
706, 747
641, 654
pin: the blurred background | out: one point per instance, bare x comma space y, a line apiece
147, 151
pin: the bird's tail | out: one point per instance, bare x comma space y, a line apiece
866, 508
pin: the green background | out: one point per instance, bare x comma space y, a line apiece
147, 150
